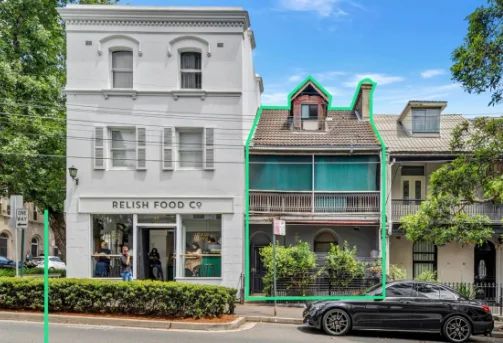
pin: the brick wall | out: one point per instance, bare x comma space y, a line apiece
308, 99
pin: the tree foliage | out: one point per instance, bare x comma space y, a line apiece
478, 63
32, 112
294, 266
475, 177
341, 266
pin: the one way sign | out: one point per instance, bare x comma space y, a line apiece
21, 218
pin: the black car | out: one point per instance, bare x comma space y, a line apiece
409, 306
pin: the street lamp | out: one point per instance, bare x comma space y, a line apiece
73, 174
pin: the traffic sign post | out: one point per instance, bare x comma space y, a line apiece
21, 218
279, 228
16, 202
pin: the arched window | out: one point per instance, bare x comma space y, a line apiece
190, 69
424, 258
4, 241
34, 247
323, 240
122, 69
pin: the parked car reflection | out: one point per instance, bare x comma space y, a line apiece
408, 306
8, 263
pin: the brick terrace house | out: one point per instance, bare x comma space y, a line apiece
317, 168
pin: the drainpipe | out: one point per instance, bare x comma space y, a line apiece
389, 211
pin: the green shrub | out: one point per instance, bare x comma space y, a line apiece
341, 266
427, 276
29, 271
142, 298
397, 273
294, 265
467, 290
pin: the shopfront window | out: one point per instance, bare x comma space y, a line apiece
202, 245
111, 232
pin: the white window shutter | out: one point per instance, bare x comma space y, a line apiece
168, 142
99, 147
209, 148
141, 148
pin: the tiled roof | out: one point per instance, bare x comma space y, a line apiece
344, 130
397, 140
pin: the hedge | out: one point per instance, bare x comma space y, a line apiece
141, 298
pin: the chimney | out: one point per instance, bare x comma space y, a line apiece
363, 102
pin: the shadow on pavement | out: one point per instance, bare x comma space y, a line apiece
409, 336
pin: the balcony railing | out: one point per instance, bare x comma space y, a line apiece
402, 208
314, 202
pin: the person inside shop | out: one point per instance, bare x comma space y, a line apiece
155, 261
194, 259
103, 263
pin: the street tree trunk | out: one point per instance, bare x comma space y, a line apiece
58, 226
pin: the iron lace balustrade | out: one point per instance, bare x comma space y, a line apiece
313, 202
402, 208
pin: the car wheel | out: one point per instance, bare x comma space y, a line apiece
457, 329
336, 322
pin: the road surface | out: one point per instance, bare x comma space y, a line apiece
23, 332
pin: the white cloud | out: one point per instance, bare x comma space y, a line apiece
275, 99
333, 91
329, 75
297, 77
324, 8
380, 79
424, 97
427, 74
444, 87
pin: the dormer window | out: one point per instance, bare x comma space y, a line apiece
426, 120
309, 111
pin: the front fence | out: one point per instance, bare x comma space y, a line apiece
489, 293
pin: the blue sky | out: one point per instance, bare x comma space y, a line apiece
403, 45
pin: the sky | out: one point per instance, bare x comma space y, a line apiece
404, 46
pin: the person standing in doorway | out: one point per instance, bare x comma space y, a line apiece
126, 270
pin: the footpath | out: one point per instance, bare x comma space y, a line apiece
243, 313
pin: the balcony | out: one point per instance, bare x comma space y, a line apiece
402, 208
314, 202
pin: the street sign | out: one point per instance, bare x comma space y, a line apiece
279, 227
21, 218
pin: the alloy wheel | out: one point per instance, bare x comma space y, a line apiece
457, 329
336, 322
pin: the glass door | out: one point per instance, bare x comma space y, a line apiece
413, 188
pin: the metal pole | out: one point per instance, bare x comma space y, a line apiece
16, 251
46, 276
22, 253
274, 270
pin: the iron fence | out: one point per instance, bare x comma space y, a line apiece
490, 293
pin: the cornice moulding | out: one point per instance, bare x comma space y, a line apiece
203, 94
152, 16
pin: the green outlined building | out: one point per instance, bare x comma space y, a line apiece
317, 167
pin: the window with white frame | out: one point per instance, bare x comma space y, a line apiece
35, 213
426, 120
190, 148
123, 148
190, 69
34, 247
4, 244
122, 69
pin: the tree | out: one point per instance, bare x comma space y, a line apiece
475, 177
32, 105
478, 63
